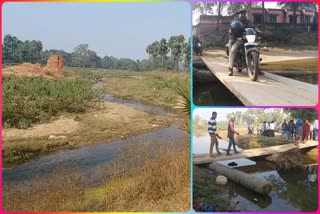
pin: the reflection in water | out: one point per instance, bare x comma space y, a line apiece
296, 190
215, 93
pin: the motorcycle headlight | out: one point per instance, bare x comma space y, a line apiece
251, 38
199, 44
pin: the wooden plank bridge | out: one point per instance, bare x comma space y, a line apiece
250, 153
268, 90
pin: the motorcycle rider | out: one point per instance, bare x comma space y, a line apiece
196, 40
236, 30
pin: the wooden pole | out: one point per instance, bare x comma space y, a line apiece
243, 179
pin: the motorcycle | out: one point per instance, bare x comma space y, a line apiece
248, 55
198, 49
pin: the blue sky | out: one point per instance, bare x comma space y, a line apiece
116, 29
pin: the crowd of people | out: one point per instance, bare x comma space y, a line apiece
299, 130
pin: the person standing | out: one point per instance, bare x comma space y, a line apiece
284, 129
291, 129
315, 130
311, 131
231, 132
212, 129
299, 131
306, 130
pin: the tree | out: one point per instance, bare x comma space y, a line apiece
294, 6
187, 54
304, 114
154, 50
219, 10
234, 7
204, 8
208, 8
127, 64
84, 57
176, 44
11, 49
163, 49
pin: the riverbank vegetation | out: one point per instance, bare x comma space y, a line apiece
155, 179
68, 107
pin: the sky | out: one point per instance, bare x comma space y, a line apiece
122, 30
270, 5
206, 113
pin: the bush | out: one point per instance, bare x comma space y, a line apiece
28, 100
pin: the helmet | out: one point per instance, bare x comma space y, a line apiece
236, 28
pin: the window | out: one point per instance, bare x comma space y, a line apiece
307, 19
291, 19
257, 19
272, 19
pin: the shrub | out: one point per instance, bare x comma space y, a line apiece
28, 100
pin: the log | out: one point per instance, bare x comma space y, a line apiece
244, 179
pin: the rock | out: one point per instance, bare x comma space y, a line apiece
221, 180
54, 137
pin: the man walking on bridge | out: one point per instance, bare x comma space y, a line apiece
212, 129
231, 132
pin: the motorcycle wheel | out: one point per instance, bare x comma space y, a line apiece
253, 66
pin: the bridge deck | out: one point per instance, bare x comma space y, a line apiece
268, 90
249, 153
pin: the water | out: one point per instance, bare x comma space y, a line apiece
308, 78
295, 190
89, 158
132, 103
201, 144
208, 90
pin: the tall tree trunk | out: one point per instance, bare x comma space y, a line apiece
249, 10
262, 20
219, 14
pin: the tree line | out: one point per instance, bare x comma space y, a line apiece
173, 54
260, 114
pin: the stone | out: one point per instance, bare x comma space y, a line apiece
55, 137
221, 180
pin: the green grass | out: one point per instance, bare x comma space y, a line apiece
28, 100
156, 87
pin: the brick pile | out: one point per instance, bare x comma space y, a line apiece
54, 67
55, 64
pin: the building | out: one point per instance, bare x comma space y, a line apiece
207, 23
281, 16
